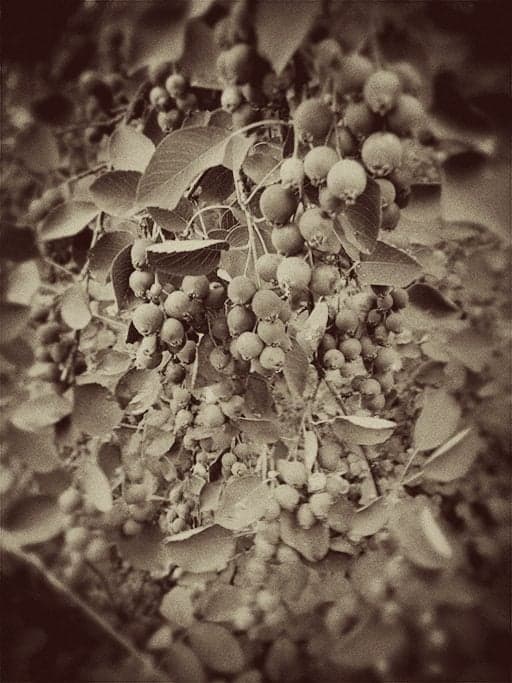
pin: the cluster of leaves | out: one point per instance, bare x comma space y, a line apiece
291, 525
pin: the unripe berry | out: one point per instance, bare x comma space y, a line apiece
249, 345
327, 343
241, 289
354, 72
346, 321
196, 286
140, 281
69, 500
400, 298
175, 373
409, 76
172, 332
317, 229
407, 116
402, 178
97, 550
351, 348
324, 279
293, 473
243, 618
305, 517
360, 120
318, 162
272, 332
178, 305
346, 180
333, 359
235, 65
312, 120
345, 142
147, 319
291, 173
266, 266
277, 204
233, 407
329, 203
49, 332
320, 504
183, 419
329, 456
293, 273
382, 153
287, 497
381, 334
370, 387
373, 317
328, 55
187, 103
176, 84
390, 216
394, 323
216, 296
263, 548
317, 481
272, 358
138, 252
368, 348
266, 305
386, 381
159, 97
211, 416
187, 353
381, 91
384, 302
287, 240
231, 98
385, 360
387, 192
219, 358
240, 319
336, 485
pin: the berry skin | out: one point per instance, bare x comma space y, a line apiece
211, 416
329, 456
305, 517
167, 120
385, 302
287, 497
231, 98
234, 407
196, 286
381, 91
272, 358
345, 142
176, 85
178, 305
132, 528
370, 387
320, 504
324, 280
354, 72
351, 349
317, 229
241, 289
175, 373
138, 253
187, 353
329, 203
219, 359
159, 97
249, 345
387, 192
69, 500
147, 319
312, 120
143, 361
293, 473
272, 332
390, 216
327, 343
407, 116
266, 305
382, 153
277, 204
292, 173
149, 345
400, 298
333, 359
394, 323
140, 281
384, 360
360, 120
409, 77
318, 162
381, 334
287, 240
346, 180
266, 266
386, 381
172, 332
216, 296
346, 321
293, 273
235, 64
240, 319
377, 402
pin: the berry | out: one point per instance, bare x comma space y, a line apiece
320, 504
240, 319
266, 305
77, 537
147, 319
233, 407
409, 76
317, 481
385, 360
167, 120
216, 295
374, 317
328, 55
318, 162
292, 173
385, 302
346, 180
370, 387
346, 321
377, 402
402, 179
380, 334
219, 359
360, 120
312, 120
329, 203
266, 266
381, 91
287, 497
351, 348
272, 332
196, 286
235, 65
317, 229
187, 353
272, 358
407, 116
293, 273
355, 70
382, 153
400, 298
390, 216
231, 98
69, 500
387, 192
277, 204
172, 332
211, 416
368, 348
324, 280
143, 361
386, 381
159, 97
97, 550
394, 323
333, 359
138, 253
47, 372
267, 600
287, 240
140, 281
241, 289
305, 517
178, 305
155, 291
293, 473
345, 142
176, 84
329, 456
175, 373
149, 345
249, 345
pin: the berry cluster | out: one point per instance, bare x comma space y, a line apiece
170, 96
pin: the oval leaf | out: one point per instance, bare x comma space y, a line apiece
363, 430
129, 149
95, 485
102, 255
40, 412
454, 458
95, 411
37, 147
242, 503
388, 266
186, 257
205, 549
121, 270
177, 607
361, 220
437, 420
217, 648
74, 308
114, 192
35, 519
67, 220
313, 544
313, 330
370, 519
183, 665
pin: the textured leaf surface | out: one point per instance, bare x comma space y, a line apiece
40, 412
313, 544
437, 420
95, 485
217, 648
388, 266
242, 503
361, 221
204, 549
363, 430
96, 411
129, 149
114, 192
102, 255
186, 257
67, 220
74, 307
454, 458
121, 271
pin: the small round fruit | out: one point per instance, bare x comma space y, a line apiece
305, 517
272, 358
312, 120
140, 281
144, 361
132, 528
329, 456
178, 305
287, 497
287, 240
360, 120
167, 120
329, 203
394, 323
240, 319
293, 273
351, 349
187, 353
138, 252
196, 286
400, 298
216, 296
294, 473
241, 289
390, 216
402, 178
292, 173
266, 305
69, 500
382, 153
235, 65
97, 550
377, 402
175, 373
354, 72
176, 84
159, 97
373, 317
386, 381
219, 359
385, 360
317, 229
345, 142
187, 103
346, 321
370, 387
407, 116
277, 204
385, 302
368, 348
147, 319
409, 76
249, 345
333, 359
324, 279
381, 91
346, 180
320, 504
77, 537
381, 334
318, 162
172, 332
231, 98
266, 266
212, 416
272, 332
387, 192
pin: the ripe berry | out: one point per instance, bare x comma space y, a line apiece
370, 387
293, 473
329, 456
386, 381
266, 266
277, 204
381, 334
249, 345
360, 120
216, 296
381, 91
211, 416
69, 500
377, 402
235, 65
400, 298
233, 407
138, 252
320, 504
317, 229
390, 216
333, 359
147, 319
407, 116
241, 289
351, 349
196, 286
272, 332
329, 203
327, 343
159, 97
231, 98
187, 103
272, 358
140, 281
178, 305
176, 84
312, 120
317, 481
346, 180
219, 358
382, 153
355, 70
346, 321
368, 348
324, 279
305, 517
318, 162
293, 273
384, 302
187, 353
266, 305
387, 192
402, 178
394, 323
292, 173
384, 360
287, 240
287, 497
409, 76
240, 319
172, 332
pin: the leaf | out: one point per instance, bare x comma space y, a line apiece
13, 321
183, 665
263, 431
310, 449
103, 253
40, 412
437, 420
180, 158
160, 34
242, 503
221, 603
67, 220
37, 147
298, 16
204, 549
74, 307
198, 64
296, 368
36, 450
120, 274
363, 430
263, 164
431, 300
311, 333
177, 607
388, 266
114, 192
129, 149
17, 242
186, 257
454, 458
217, 648
95, 485
23, 281
138, 390
424, 205
313, 544
472, 349
258, 398
34, 519
173, 221
352, 650
361, 221
370, 519
95, 410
